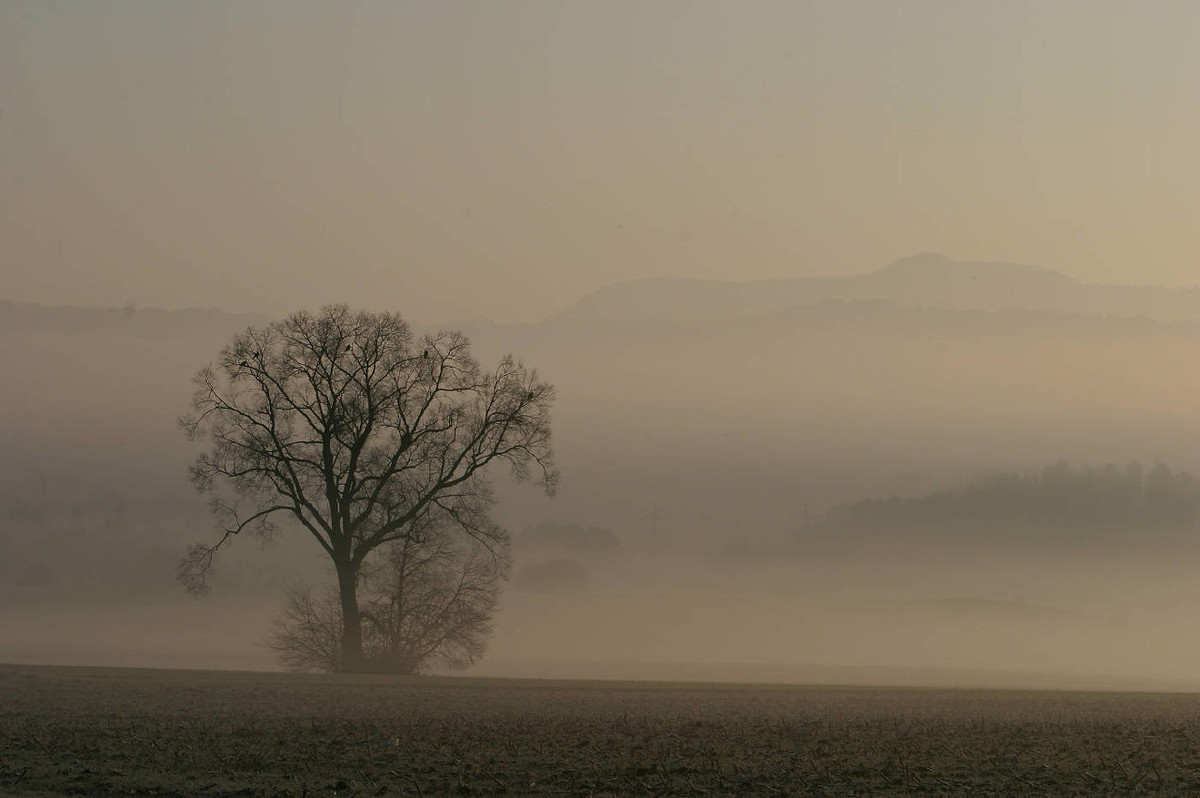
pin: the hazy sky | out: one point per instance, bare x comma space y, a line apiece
469, 160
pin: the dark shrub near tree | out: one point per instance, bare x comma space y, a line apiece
426, 602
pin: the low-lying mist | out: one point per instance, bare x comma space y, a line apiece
1078, 619
966, 619
716, 455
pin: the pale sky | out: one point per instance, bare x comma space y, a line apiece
499, 160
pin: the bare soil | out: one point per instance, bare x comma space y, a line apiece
99, 731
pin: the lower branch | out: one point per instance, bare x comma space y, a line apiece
193, 570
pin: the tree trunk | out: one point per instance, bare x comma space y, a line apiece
352, 659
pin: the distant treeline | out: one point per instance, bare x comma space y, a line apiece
26, 317
1132, 498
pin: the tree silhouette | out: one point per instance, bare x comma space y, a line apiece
363, 437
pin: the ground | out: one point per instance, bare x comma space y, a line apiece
98, 731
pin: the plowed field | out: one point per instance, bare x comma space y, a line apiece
93, 731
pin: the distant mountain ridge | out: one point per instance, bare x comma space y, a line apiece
927, 280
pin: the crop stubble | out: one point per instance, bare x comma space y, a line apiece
97, 731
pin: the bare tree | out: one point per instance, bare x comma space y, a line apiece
428, 600
361, 435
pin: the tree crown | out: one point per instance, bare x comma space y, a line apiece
362, 433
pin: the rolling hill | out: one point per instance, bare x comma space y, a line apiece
927, 280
